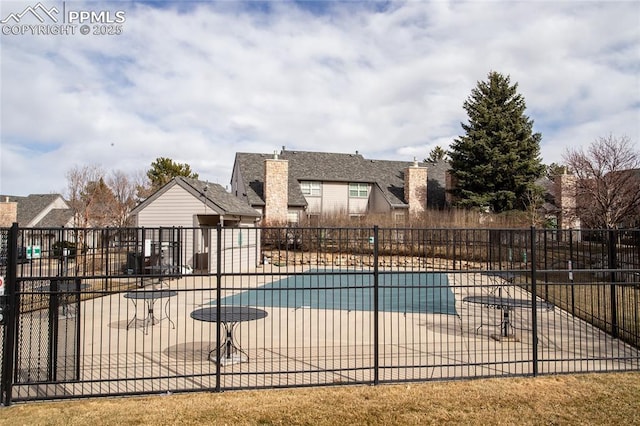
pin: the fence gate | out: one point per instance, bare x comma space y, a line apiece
48, 339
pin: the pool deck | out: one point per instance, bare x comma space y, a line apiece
303, 346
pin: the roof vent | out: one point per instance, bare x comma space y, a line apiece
275, 155
415, 162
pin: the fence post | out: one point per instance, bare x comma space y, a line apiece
376, 336
218, 299
546, 275
10, 312
534, 312
105, 244
573, 290
612, 266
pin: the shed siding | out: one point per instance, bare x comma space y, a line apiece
240, 250
175, 207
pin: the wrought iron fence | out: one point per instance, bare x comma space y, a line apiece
4, 260
95, 312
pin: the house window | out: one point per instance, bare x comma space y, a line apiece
292, 218
398, 218
310, 188
358, 190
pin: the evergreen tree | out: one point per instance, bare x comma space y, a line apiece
436, 154
497, 161
164, 169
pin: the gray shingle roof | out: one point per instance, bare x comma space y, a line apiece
56, 218
217, 196
323, 166
31, 206
436, 183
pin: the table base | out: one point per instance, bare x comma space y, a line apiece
230, 353
228, 360
501, 338
150, 319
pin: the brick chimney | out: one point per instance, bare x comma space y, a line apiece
8, 213
276, 190
415, 188
566, 200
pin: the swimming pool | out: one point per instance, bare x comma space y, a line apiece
411, 292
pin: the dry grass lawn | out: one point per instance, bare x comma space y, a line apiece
594, 399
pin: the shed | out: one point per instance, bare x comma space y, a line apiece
182, 218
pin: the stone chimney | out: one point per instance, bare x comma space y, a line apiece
8, 213
566, 194
276, 190
415, 188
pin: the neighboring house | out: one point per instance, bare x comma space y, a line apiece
295, 186
201, 206
36, 211
572, 208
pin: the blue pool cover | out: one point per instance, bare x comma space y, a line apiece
419, 292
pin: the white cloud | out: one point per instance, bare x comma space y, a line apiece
201, 83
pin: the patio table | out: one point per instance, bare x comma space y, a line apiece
150, 297
505, 304
230, 317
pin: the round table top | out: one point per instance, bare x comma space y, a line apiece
229, 314
150, 294
505, 302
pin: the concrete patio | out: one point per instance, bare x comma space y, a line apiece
305, 346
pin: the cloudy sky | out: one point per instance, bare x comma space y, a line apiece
199, 81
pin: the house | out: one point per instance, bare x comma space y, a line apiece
198, 207
574, 204
295, 186
35, 211
46, 211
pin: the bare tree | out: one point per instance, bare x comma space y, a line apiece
608, 181
78, 179
124, 190
144, 188
534, 197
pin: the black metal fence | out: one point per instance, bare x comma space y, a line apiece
90, 312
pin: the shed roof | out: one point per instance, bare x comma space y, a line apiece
213, 194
